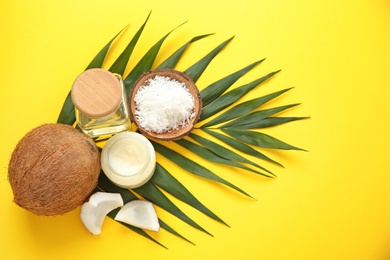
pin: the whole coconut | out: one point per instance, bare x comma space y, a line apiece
53, 169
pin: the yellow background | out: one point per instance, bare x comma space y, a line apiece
329, 203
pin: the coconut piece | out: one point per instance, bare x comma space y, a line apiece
139, 213
94, 211
53, 169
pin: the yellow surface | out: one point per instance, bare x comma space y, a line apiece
329, 203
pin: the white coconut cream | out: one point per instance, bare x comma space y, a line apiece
128, 159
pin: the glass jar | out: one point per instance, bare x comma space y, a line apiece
100, 103
128, 159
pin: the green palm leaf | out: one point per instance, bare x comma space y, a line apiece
97, 62
152, 193
163, 179
256, 116
217, 88
145, 64
67, 115
259, 139
209, 155
171, 62
120, 63
244, 108
240, 146
196, 70
229, 98
271, 121
193, 167
106, 185
227, 153
171, 230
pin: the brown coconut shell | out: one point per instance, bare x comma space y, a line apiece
180, 77
53, 169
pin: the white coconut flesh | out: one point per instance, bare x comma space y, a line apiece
139, 213
94, 211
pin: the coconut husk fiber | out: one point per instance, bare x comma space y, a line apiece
53, 169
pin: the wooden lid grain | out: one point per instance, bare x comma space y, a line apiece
96, 93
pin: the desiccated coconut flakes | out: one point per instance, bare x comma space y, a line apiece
163, 104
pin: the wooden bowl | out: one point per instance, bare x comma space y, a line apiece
174, 134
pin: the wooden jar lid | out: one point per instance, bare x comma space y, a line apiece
96, 93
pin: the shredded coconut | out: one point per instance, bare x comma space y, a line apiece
163, 105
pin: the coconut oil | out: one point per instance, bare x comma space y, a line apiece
128, 159
100, 103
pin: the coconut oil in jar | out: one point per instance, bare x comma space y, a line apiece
100, 103
128, 159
